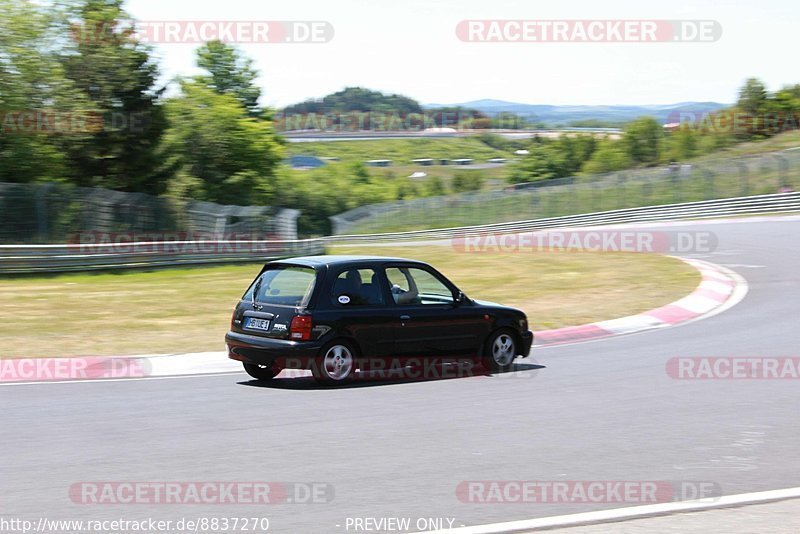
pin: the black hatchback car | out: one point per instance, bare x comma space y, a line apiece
336, 314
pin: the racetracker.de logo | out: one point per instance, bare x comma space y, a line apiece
59, 369
589, 31
203, 31
584, 491
734, 368
670, 242
732, 121
200, 492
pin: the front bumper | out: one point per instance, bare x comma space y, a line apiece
526, 338
259, 350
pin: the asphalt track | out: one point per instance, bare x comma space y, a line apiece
603, 410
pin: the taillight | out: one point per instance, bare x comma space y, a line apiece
300, 328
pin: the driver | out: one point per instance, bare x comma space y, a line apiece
405, 297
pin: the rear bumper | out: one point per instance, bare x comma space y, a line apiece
527, 342
265, 351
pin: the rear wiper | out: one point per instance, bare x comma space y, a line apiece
256, 289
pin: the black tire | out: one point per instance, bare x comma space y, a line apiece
335, 363
500, 351
262, 372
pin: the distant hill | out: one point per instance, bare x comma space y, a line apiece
359, 99
356, 99
563, 115
341, 110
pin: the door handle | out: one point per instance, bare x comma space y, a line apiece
405, 317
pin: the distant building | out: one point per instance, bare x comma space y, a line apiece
440, 132
306, 162
378, 163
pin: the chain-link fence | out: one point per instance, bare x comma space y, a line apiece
57, 213
707, 180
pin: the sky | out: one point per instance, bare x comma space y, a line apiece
411, 47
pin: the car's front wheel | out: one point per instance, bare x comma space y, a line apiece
500, 351
336, 363
261, 372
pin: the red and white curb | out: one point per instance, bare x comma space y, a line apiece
719, 289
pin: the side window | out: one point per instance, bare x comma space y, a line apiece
417, 286
357, 287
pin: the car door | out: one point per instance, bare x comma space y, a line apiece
430, 323
356, 307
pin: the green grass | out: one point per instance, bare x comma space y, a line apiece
188, 310
400, 151
177, 310
557, 288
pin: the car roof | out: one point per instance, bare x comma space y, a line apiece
341, 259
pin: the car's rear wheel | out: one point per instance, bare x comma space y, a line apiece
335, 364
500, 351
262, 372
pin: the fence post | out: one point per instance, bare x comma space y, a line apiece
783, 171
709, 183
41, 211
744, 179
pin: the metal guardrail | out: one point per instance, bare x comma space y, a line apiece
31, 259
85, 257
753, 205
703, 179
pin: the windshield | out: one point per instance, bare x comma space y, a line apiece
285, 286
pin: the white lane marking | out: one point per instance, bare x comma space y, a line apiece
634, 323
697, 303
716, 286
630, 512
97, 380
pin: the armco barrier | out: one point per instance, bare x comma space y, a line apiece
22, 259
775, 203
25, 259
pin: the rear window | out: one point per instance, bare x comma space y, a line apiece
286, 286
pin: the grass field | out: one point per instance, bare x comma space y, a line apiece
400, 151
188, 310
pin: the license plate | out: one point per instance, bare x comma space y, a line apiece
255, 323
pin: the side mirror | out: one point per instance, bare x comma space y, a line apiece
461, 298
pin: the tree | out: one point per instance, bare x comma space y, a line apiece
683, 143
610, 156
643, 138
544, 162
230, 73
467, 181
32, 83
752, 97
222, 154
117, 76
